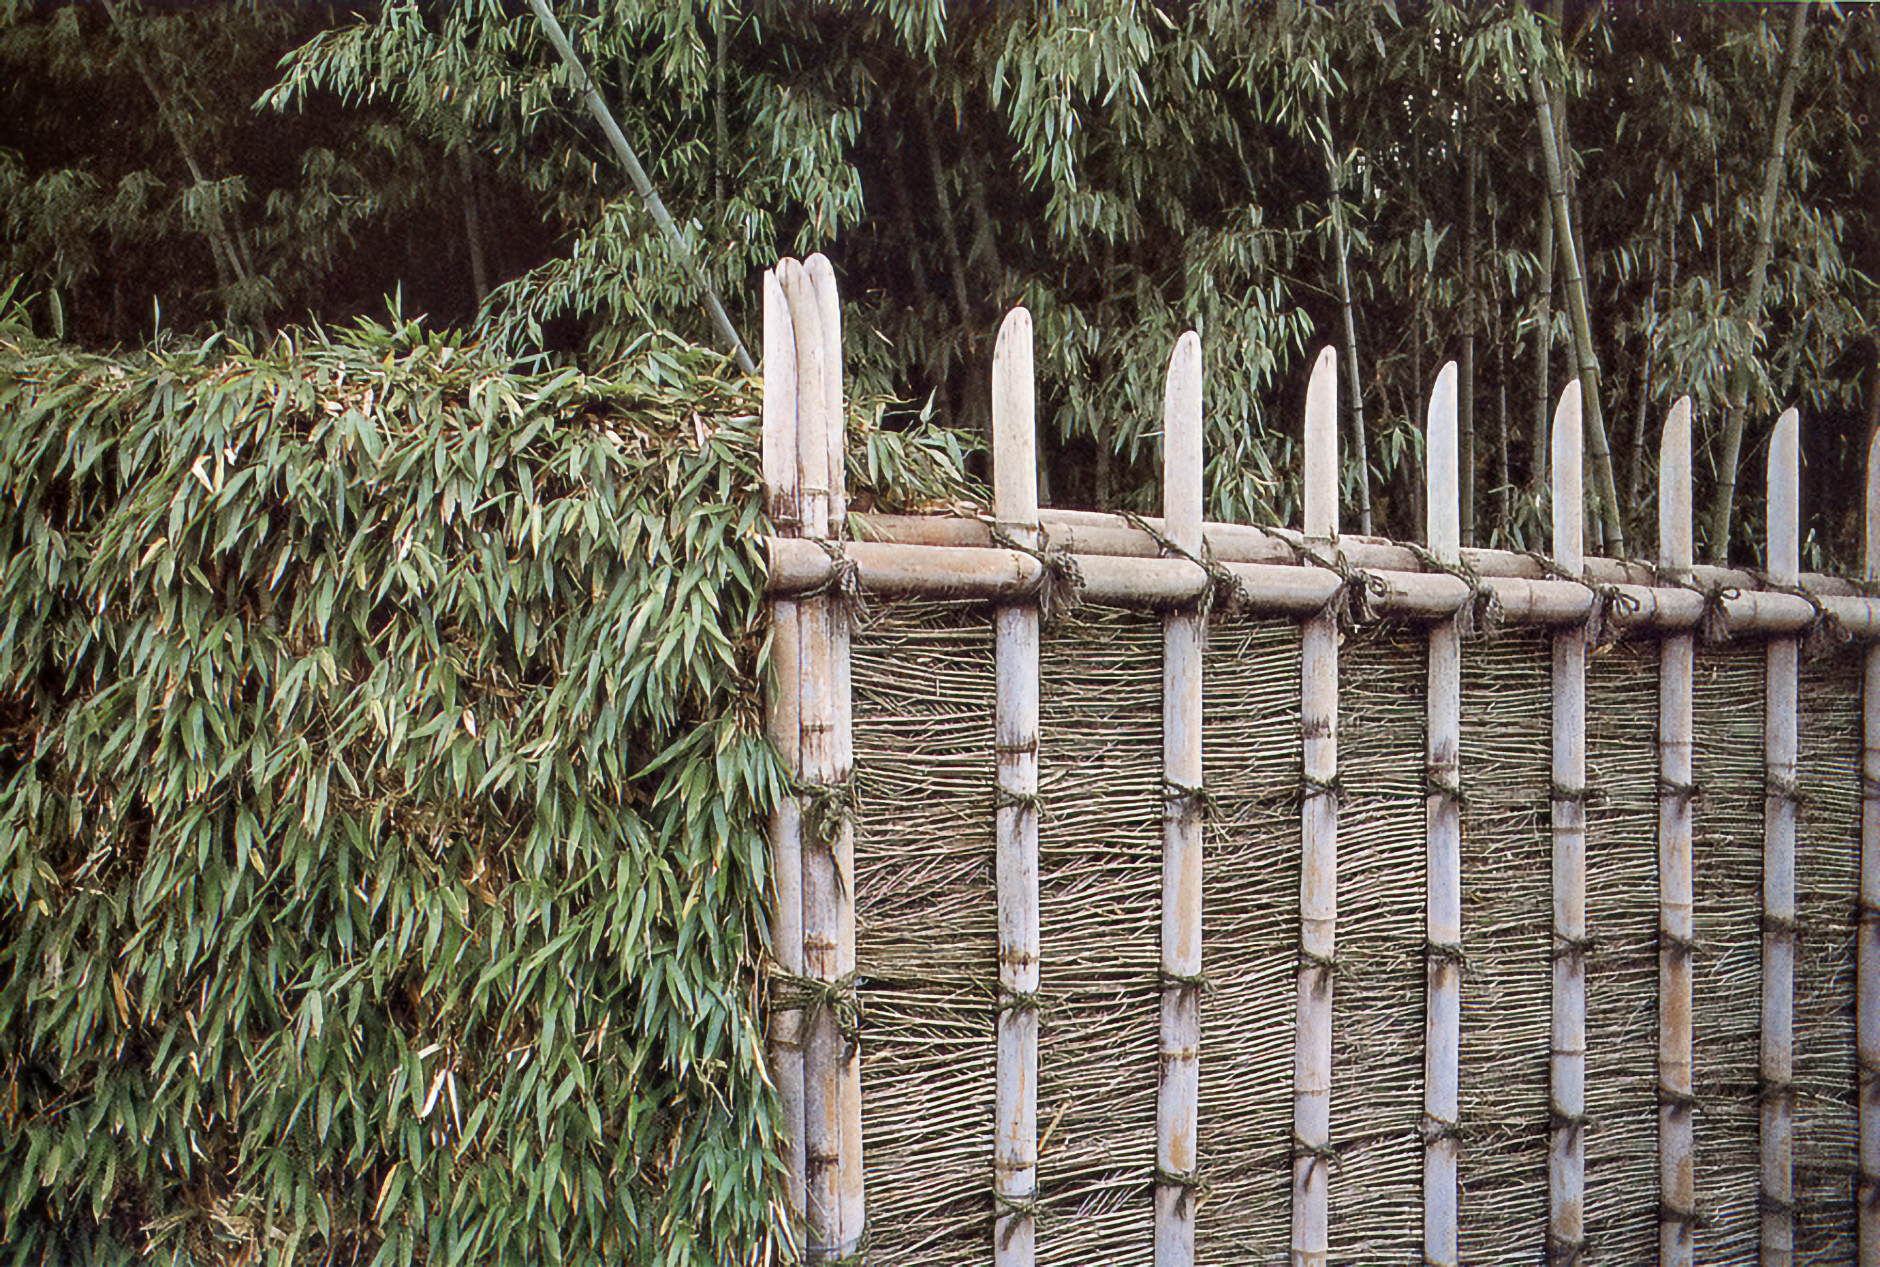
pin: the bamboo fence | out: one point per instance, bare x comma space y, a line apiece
1501, 965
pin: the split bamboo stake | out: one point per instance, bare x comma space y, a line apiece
822, 276
823, 884
1566, 1161
1318, 829
1677, 1182
1015, 506
1868, 1062
1442, 1049
1184, 636
785, 722
1780, 750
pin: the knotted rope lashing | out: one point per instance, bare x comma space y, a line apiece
844, 584
1192, 804
828, 808
1607, 599
1224, 590
1482, 612
1200, 981
1008, 1211
1355, 601
1315, 1155
1715, 625
813, 996
1194, 1189
1060, 584
1825, 632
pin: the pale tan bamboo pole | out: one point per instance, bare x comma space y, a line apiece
1183, 637
1867, 1192
785, 722
1566, 1160
1780, 750
1086, 532
822, 884
1677, 1180
1015, 505
822, 275
1318, 829
1442, 1048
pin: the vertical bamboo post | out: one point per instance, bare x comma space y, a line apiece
824, 822
1183, 638
1677, 1182
785, 722
822, 276
1442, 1048
1318, 829
1868, 1065
1015, 507
1780, 749
1566, 1161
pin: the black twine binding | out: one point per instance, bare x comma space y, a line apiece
1434, 784
1194, 1188
1316, 1155
1435, 1130
1778, 788
1715, 622
813, 996
1672, 790
1011, 1000
1678, 948
1352, 602
1825, 632
1482, 612
1678, 1101
1310, 787
1567, 947
1005, 798
1444, 952
1193, 803
1323, 967
1584, 795
1607, 599
1686, 1221
1225, 590
844, 584
1061, 584
1011, 1210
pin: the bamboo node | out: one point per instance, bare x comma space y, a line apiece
1061, 584
1193, 1187
1564, 1251
1192, 804
1482, 613
844, 585
1179, 981
1437, 782
1224, 590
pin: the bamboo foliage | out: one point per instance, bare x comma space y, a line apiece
1318, 882
1015, 506
1443, 919
1183, 641
1776, 1064
1566, 1163
1677, 1183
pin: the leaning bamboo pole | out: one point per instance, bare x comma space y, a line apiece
1677, 1182
1566, 1162
825, 815
1318, 829
1442, 1049
1868, 1065
1015, 507
1184, 635
853, 1211
1780, 750
785, 723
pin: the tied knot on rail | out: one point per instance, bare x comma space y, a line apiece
1825, 632
1225, 590
1867, 1190
1192, 1189
1482, 611
1355, 601
1715, 624
1310, 787
1678, 1101
815, 997
1607, 599
1184, 804
844, 584
1060, 584
1010, 1211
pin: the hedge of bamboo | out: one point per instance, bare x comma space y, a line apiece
381, 799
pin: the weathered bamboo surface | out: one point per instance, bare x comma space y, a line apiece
1015, 738
1677, 1103
1868, 1184
1443, 884
1313, 1153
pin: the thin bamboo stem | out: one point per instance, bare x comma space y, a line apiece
1677, 1182
785, 727
1442, 1051
1015, 505
1566, 1162
1183, 639
1318, 828
853, 1205
1868, 945
1780, 752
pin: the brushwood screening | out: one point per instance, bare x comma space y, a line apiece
381, 799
